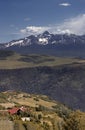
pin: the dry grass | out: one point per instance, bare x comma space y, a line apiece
7, 105
6, 125
13, 98
12, 62
32, 103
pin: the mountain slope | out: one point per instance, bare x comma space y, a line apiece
46, 114
65, 83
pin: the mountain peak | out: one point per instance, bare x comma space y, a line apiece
46, 33
48, 39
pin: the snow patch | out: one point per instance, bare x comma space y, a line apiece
14, 43
53, 42
43, 41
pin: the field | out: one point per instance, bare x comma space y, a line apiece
25, 99
15, 60
33, 101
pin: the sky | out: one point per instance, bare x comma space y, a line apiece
21, 18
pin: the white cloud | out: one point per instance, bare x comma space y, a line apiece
65, 4
33, 30
75, 25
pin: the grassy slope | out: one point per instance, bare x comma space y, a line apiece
6, 124
49, 115
59, 118
15, 60
8, 98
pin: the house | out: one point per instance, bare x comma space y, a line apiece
16, 110
13, 111
25, 118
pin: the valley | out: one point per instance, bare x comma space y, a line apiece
62, 79
42, 65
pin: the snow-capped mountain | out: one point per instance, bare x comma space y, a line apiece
42, 39
48, 43
47, 38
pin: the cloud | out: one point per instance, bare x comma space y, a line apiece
33, 30
75, 25
65, 4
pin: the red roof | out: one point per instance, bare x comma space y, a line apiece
13, 110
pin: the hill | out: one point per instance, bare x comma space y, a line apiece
43, 113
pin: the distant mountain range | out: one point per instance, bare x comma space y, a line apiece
51, 44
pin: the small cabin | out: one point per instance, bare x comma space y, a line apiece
16, 110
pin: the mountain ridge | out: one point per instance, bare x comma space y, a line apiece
47, 38
49, 44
